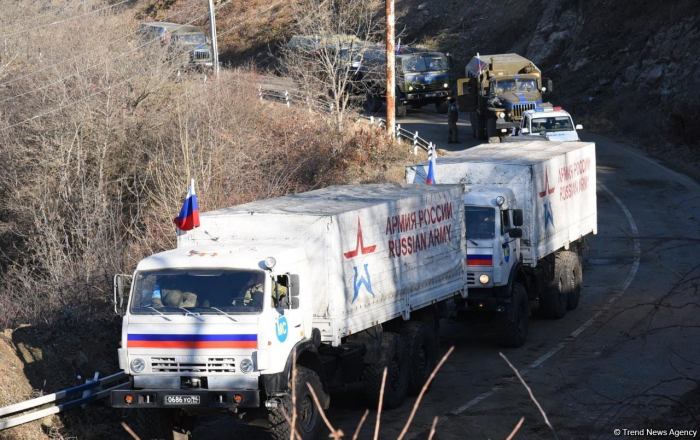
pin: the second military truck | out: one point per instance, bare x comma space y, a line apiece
530, 207
327, 287
497, 90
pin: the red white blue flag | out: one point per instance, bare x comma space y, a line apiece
398, 48
189, 214
430, 180
478, 61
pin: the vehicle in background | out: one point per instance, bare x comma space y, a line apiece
553, 122
189, 42
335, 285
529, 208
422, 78
496, 92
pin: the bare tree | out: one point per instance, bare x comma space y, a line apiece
326, 57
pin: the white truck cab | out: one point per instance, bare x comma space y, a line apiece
553, 122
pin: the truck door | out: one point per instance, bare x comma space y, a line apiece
508, 245
289, 319
467, 95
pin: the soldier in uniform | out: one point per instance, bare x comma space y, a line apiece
452, 117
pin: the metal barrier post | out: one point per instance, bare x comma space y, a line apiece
260, 91
415, 144
371, 120
286, 97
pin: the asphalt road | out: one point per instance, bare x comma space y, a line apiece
619, 361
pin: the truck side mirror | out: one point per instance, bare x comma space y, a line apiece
579, 127
515, 233
518, 218
550, 85
292, 300
450, 61
122, 285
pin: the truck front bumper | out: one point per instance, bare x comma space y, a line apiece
429, 96
481, 300
507, 125
185, 398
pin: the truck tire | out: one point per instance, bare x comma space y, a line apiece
422, 348
576, 273
480, 127
472, 122
491, 132
416, 106
442, 106
309, 422
514, 323
401, 111
373, 103
395, 359
555, 298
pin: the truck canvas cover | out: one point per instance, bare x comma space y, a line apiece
374, 252
553, 182
508, 62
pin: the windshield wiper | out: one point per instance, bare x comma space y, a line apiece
150, 306
187, 312
473, 242
221, 311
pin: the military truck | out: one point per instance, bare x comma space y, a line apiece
497, 90
187, 42
422, 78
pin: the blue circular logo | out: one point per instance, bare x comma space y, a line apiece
282, 329
506, 252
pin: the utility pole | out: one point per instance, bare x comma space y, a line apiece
214, 45
390, 63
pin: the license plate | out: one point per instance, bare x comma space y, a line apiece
182, 400
430, 95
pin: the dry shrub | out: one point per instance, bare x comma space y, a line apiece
97, 153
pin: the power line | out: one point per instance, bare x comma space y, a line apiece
56, 11
80, 55
64, 20
252, 16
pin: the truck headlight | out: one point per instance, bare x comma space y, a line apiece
410, 88
138, 365
502, 115
483, 278
246, 366
445, 85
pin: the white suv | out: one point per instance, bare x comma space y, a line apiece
553, 122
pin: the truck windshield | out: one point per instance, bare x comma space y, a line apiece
195, 38
424, 63
515, 85
198, 291
555, 123
481, 222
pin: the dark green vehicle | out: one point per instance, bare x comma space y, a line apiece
422, 78
189, 42
497, 90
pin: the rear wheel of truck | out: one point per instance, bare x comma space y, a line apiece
576, 278
514, 322
401, 111
491, 132
373, 103
555, 298
422, 350
442, 106
395, 359
416, 106
308, 421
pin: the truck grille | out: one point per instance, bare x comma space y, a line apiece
200, 55
471, 279
213, 365
517, 110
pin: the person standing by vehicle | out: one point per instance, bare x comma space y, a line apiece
452, 117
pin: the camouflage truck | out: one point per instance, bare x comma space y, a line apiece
422, 78
186, 42
497, 90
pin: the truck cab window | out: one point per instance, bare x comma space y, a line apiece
481, 222
280, 290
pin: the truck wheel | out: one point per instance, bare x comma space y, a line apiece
416, 106
491, 132
395, 359
422, 350
576, 274
513, 324
442, 106
309, 422
401, 111
481, 127
555, 298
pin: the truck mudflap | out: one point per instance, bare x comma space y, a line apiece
185, 398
